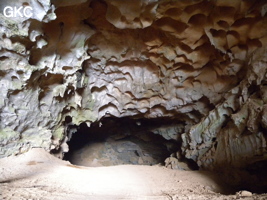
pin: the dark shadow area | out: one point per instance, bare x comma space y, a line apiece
252, 178
114, 141
252, 174
258, 170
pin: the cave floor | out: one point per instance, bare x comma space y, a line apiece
37, 175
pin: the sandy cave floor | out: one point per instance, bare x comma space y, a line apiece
37, 175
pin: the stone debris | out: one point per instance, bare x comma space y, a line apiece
244, 193
174, 163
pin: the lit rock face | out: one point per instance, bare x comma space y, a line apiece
200, 62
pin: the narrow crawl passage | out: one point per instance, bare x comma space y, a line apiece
116, 141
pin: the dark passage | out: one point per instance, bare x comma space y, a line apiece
116, 141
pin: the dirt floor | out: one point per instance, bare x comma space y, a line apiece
37, 175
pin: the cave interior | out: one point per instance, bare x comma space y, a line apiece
179, 84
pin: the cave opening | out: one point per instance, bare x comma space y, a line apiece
128, 141
118, 141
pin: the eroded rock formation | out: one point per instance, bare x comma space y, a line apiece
202, 63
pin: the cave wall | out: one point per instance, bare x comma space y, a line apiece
200, 62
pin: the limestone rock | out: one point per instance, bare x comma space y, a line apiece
244, 193
174, 163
